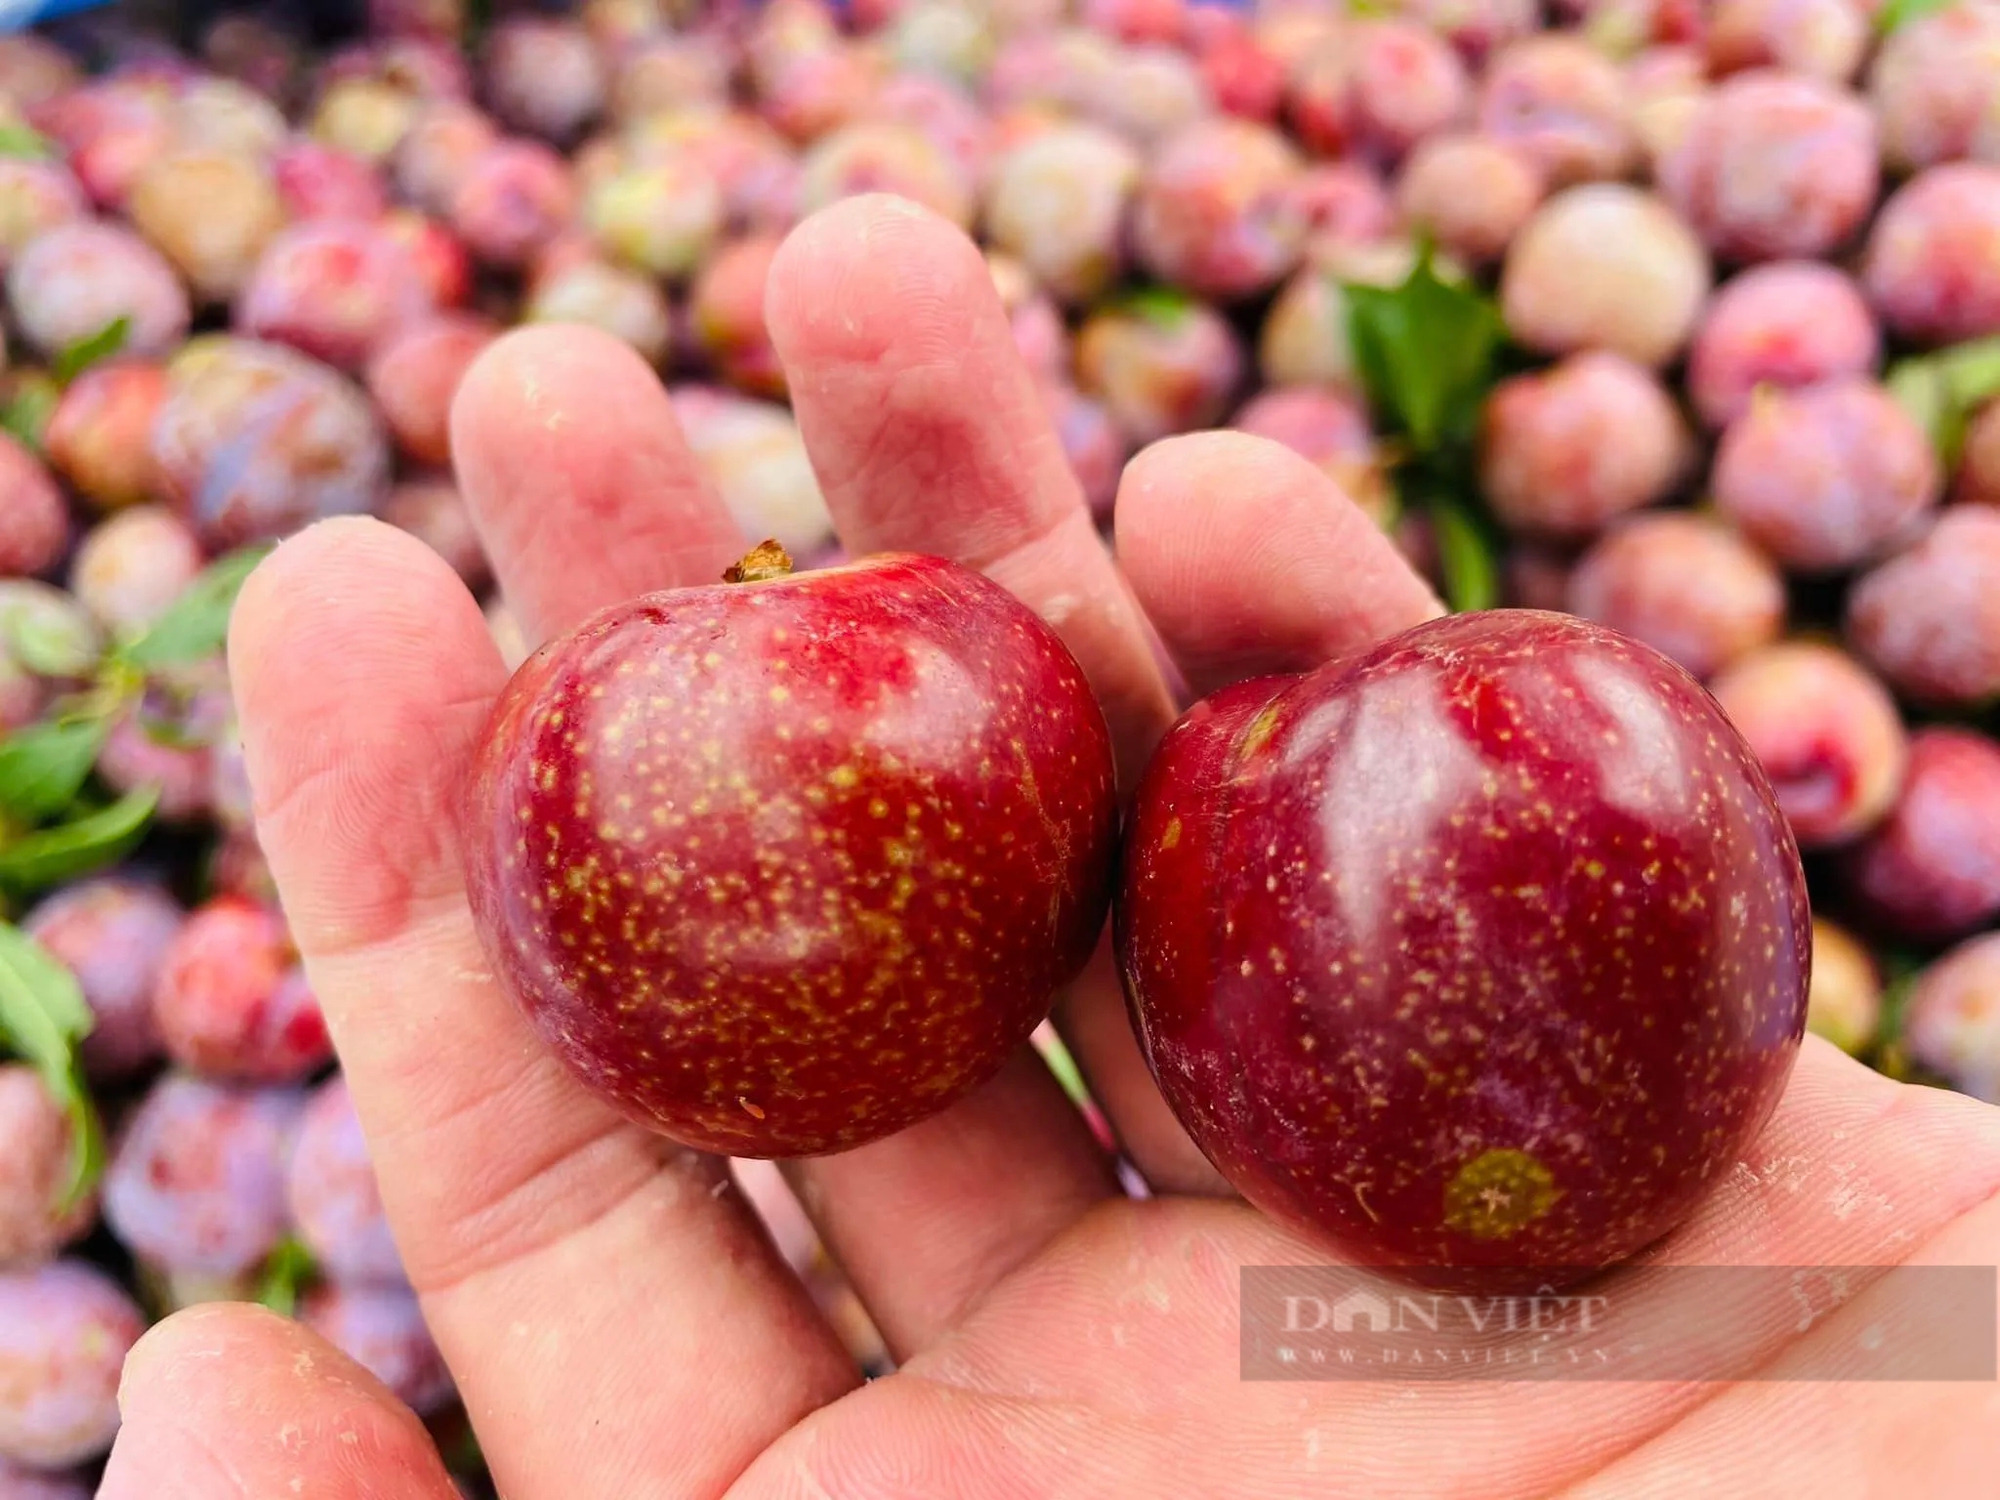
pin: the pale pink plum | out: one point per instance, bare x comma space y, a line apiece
35, 1171
221, 114
1347, 206
415, 373
231, 1001
1377, 89
1330, 427
438, 20
97, 437
1564, 104
1091, 441
1932, 268
1825, 477
1162, 364
1952, 1022
1148, 93
1068, 68
543, 76
941, 38
18, 1483
441, 262
1931, 869
1138, 20
382, 1329
73, 280
1664, 87
751, 452
34, 519
1979, 460
438, 151
366, 117
811, 94
1935, 86
1605, 266
336, 289
874, 156
1215, 212
133, 566
34, 196
1477, 28
34, 70
146, 747
432, 510
572, 288
422, 68
659, 216
1844, 997
1058, 202
1685, 584
515, 197
331, 1192
65, 1330
1826, 732
1471, 192
1304, 339
197, 1178
1785, 324
1774, 165
112, 932
1565, 450
664, 71
751, 163
726, 315
210, 213
1823, 39
1929, 617
317, 181
256, 440
944, 114
108, 132
1242, 76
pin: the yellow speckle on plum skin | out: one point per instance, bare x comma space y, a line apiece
1498, 1193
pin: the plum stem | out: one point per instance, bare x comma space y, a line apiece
765, 560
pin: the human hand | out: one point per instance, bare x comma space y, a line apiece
617, 1324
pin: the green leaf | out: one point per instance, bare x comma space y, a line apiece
1899, 13
47, 631
1157, 304
1059, 1062
197, 623
43, 1017
1471, 581
20, 140
49, 856
289, 1268
1971, 371
92, 349
25, 415
1426, 353
1943, 390
44, 766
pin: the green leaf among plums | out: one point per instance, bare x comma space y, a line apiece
1427, 352
1899, 13
1943, 390
92, 349
197, 624
25, 413
1465, 558
23, 141
44, 766
43, 1019
67, 851
287, 1271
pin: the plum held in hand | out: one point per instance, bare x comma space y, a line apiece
784, 865
1482, 954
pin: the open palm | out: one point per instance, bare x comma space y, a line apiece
617, 1324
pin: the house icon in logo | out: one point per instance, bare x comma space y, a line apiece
1362, 1307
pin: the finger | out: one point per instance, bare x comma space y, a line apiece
1249, 560
568, 404
581, 484
1246, 559
570, 1265
235, 1403
924, 1222
929, 436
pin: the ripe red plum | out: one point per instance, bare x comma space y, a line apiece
335, 289
230, 1001
1931, 869
726, 314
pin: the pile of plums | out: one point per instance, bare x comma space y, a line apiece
1745, 424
